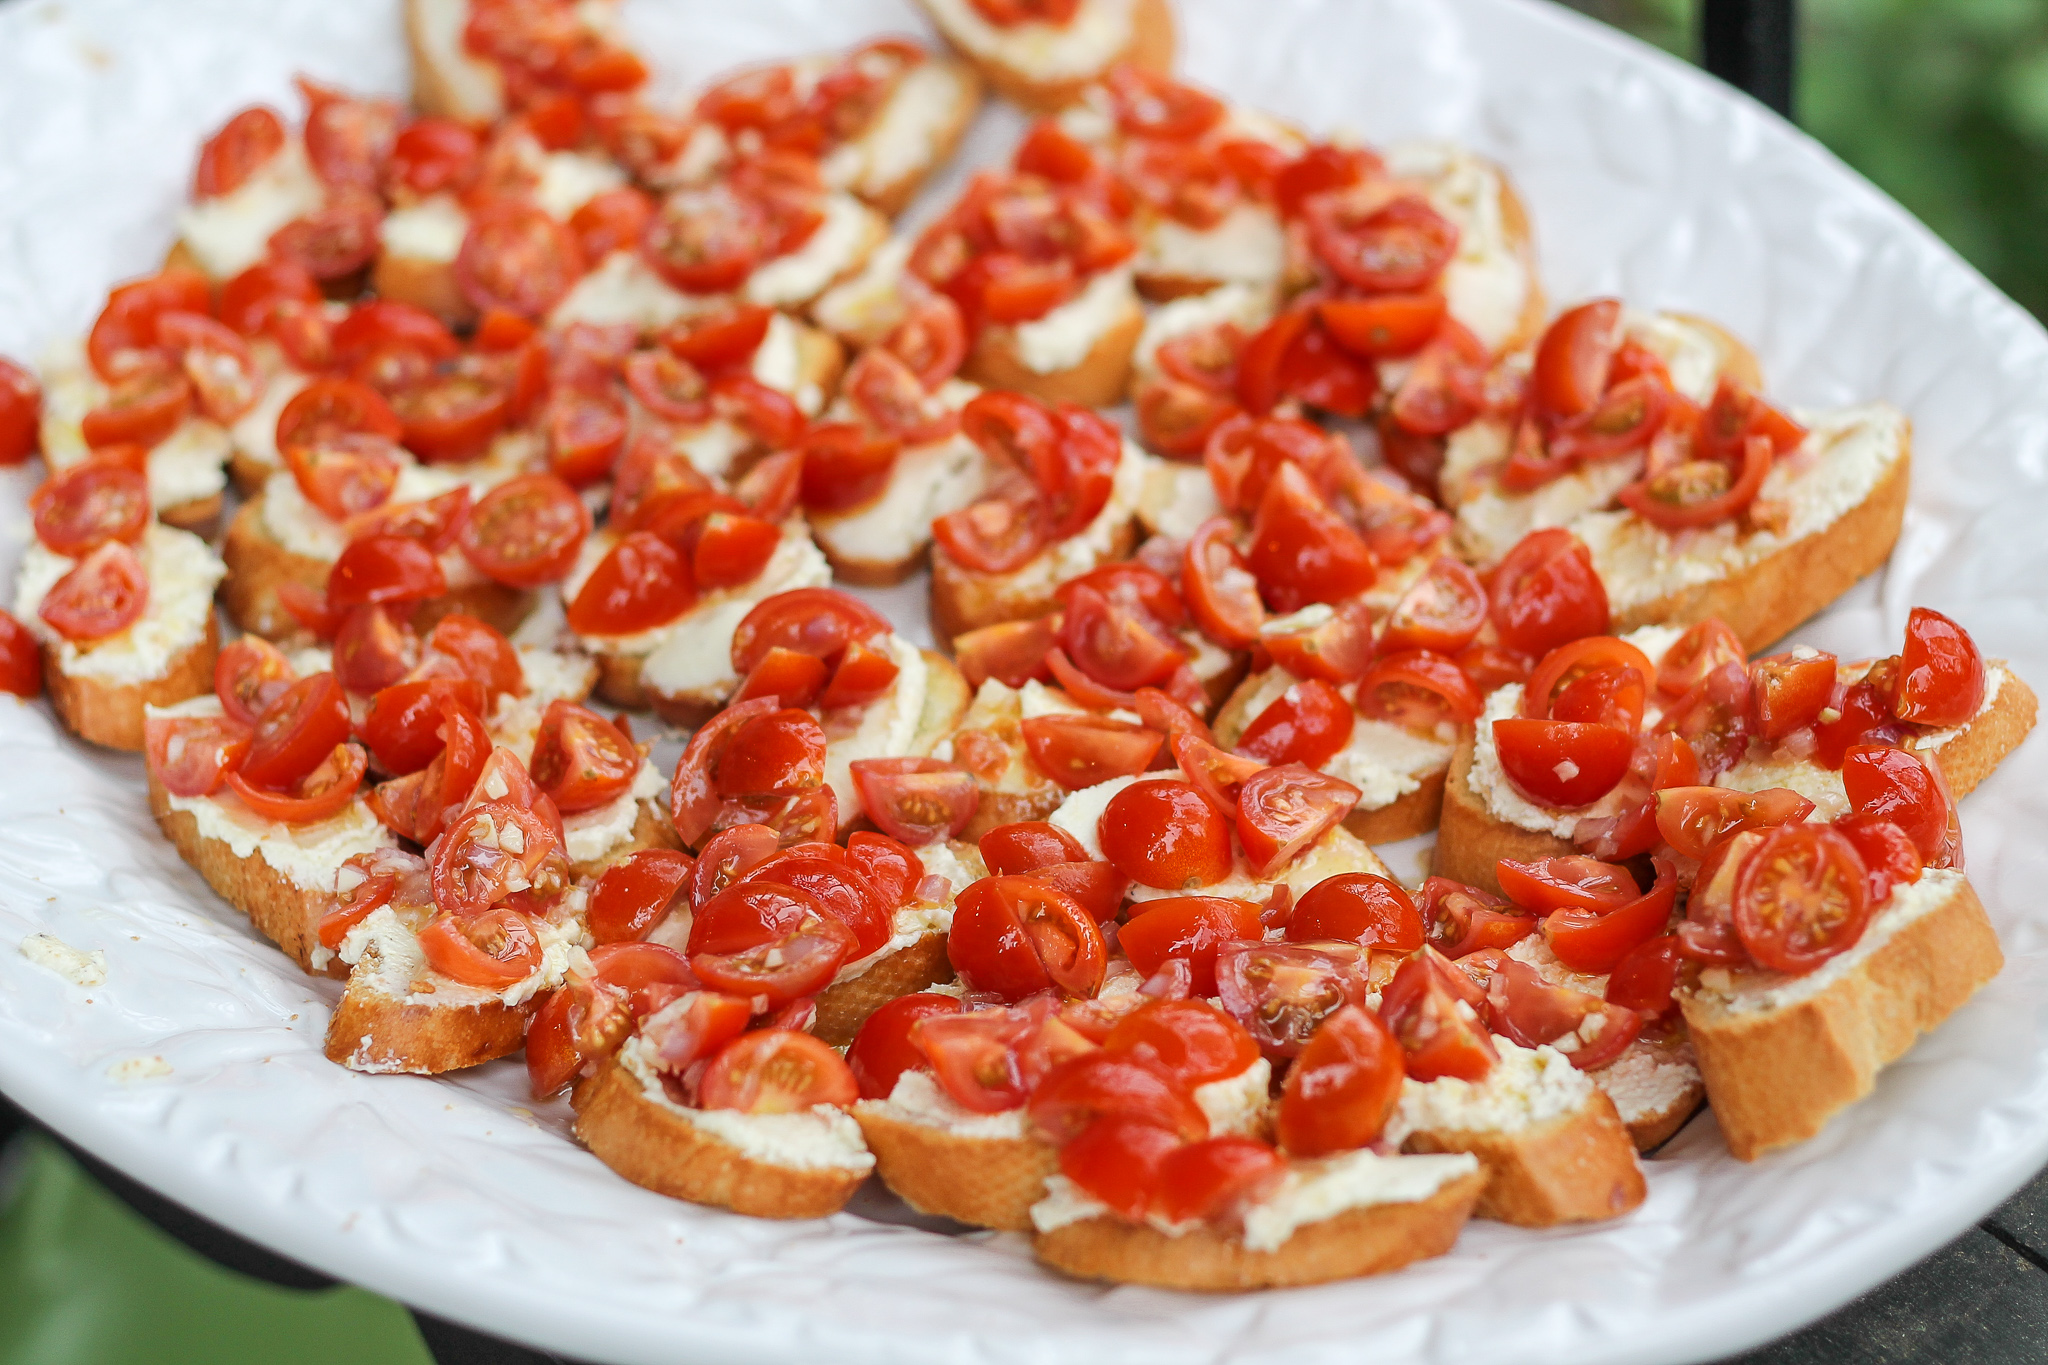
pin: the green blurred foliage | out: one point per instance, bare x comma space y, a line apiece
1942, 103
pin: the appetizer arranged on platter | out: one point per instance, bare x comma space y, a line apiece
539, 396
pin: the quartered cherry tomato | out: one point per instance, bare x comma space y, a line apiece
1462, 920
1595, 939
777, 1071
1569, 882
1546, 592
1343, 1087
1528, 1011
1788, 693
1302, 551
1283, 811
798, 963
886, 1045
1307, 724
1419, 691
1908, 790
917, 800
1564, 764
1016, 936
319, 795
580, 759
642, 582
492, 949
636, 893
1574, 357
1357, 907
1190, 929
1337, 649
1080, 750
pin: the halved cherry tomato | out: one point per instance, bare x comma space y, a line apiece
1442, 612
727, 857
21, 664
1700, 492
1574, 357
1283, 992
1627, 418
1567, 663
1546, 592
215, 360
1646, 977
297, 731
332, 407
1445, 387
1336, 649
637, 893
1206, 1180
88, 504
1216, 776
518, 258
1906, 789
1530, 1012
346, 474
1562, 763
1357, 907
526, 531
778, 753
694, 796
1392, 247
1080, 751
373, 649
1163, 834
1941, 676
888, 863
453, 413
917, 800
614, 220
1191, 1041
1301, 550
1117, 647
732, 550
335, 240
1307, 724
142, 408
1734, 415
1713, 719
381, 569
1117, 1160
250, 300
1694, 819
1889, 855
1221, 592
997, 533
1103, 1085
818, 621
1012, 652
1284, 810
1801, 897
580, 759
747, 914
1419, 691
1016, 936
1383, 325
1788, 693
845, 467
493, 949
21, 401
1343, 1087
105, 592
1190, 929
431, 154
1866, 718
1490, 667
586, 430
1461, 920
1318, 372
320, 794
242, 146
403, 723
192, 755
786, 968
1595, 938
776, 1071
673, 390
1570, 882
886, 1046
483, 652
705, 241
123, 338
641, 583
1027, 846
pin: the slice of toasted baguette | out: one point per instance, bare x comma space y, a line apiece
1577, 1168
446, 79
1775, 1075
1098, 380
111, 714
425, 283
843, 1008
1361, 1241
989, 1182
665, 1152
377, 1031
953, 89
888, 540
1149, 46
280, 909
258, 565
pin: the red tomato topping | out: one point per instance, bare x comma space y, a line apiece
641, 583
123, 338
1302, 551
526, 531
637, 893
1357, 907
1645, 978
1889, 854
1940, 674
783, 969
1189, 929
1338, 650
886, 1045
1221, 592
1394, 247
21, 402
1080, 751
1574, 357
319, 795
88, 504
1282, 812
917, 800
816, 621
493, 949
896, 872
244, 143
1190, 1041
1016, 936
1384, 325
189, 755
143, 407
1343, 1087
105, 592
1694, 819
776, 1071
1528, 1011
1163, 834
1546, 593
297, 731
1442, 612
1788, 693
216, 363
1562, 763
996, 533
580, 759
1571, 882
1801, 897
845, 467
1419, 691
1908, 790
1308, 724
1566, 665
1462, 920
1595, 938
381, 569
1100, 1085
334, 240
1444, 389
1283, 992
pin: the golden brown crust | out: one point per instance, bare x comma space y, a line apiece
664, 1152
111, 713
281, 910
964, 599
372, 1031
200, 516
1975, 754
875, 573
1097, 381
1775, 1077
1469, 840
431, 285
248, 473
893, 198
1367, 1241
990, 1182
1577, 1168
258, 566
1151, 47
1766, 601
1651, 1131
1521, 234
843, 1008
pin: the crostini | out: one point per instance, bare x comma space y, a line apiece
1043, 55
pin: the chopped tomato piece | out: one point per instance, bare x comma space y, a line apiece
1530, 1012
1383, 325
1419, 691
1343, 1087
526, 531
1442, 612
817, 621
319, 795
92, 502
493, 949
384, 569
886, 1045
580, 759
1302, 551
1380, 248
1308, 724
1190, 929
21, 401
917, 800
776, 1071
1163, 834
1462, 920
1890, 856
1570, 882
641, 583
1546, 593
1694, 819
1646, 976
1357, 907
637, 893
1016, 936
1012, 653
192, 755
1788, 693
123, 338
1080, 751
1574, 357
1801, 897
1595, 938
1283, 811
1908, 790
1941, 676
797, 964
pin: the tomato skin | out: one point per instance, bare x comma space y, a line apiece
818, 621
332, 407
190, 755
1342, 1088
1574, 659
1191, 1041
1028, 845
296, 731
1645, 978
840, 890
1016, 936
378, 570
1188, 928
1546, 593
1801, 897
373, 649
1906, 789
637, 893
94, 501
1419, 1007
1398, 247
1012, 652
495, 949
886, 1046
1302, 551
1118, 1161
105, 592
776, 1071
1308, 724
1941, 676
1866, 718
641, 583
1357, 907
845, 466
1442, 612
1081, 751
1162, 834
1283, 811
142, 408
1574, 357
1570, 882
526, 532
1098, 1086
483, 652
893, 868
917, 800
1533, 751
1383, 325
1594, 940
1890, 856
1419, 691
319, 795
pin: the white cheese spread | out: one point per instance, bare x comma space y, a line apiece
182, 573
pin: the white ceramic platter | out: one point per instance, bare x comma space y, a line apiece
197, 1066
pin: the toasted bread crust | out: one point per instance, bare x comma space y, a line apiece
111, 714
843, 1008
665, 1152
1975, 754
371, 1031
258, 566
281, 910
430, 285
1652, 1131
1097, 381
1365, 1241
200, 516
1769, 599
1469, 840
1577, 1168
1775, 1077
964, 599
1521, 234
991, 1182
1150, 47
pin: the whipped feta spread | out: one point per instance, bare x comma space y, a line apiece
182, 573
303, 529
1647, 1082
905, 137
1248, 306
918, 1098
836, 248
624, 288
569, 180
254, 434
228, 233
1756, 991
1083, 47
862, 308
1487, 282
593, 833
1238, 1104
1096, 543
1064, 337
887, 729
431, 230
53, 954
1247, 246
1527, 1087
307, 855
187, 466
928, 482
820, 1138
